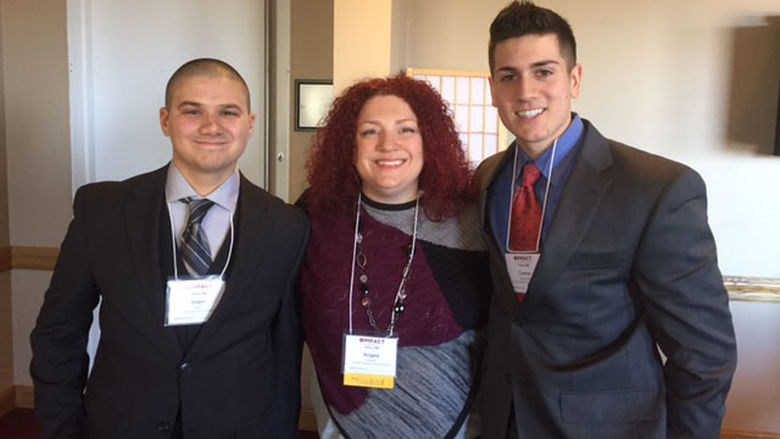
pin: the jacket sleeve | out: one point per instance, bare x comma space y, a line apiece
287, 340
59, 339
687, 309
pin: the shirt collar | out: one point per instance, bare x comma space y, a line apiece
225, 196
566, 144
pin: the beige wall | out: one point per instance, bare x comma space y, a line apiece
37, 139
6, 316
4, 233
362, 40
399, 33
35, 55
311, 58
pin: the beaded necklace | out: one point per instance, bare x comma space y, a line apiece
359, 262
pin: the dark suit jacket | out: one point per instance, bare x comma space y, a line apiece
240, 376
629, 264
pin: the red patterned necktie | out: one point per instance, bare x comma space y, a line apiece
526, 216
526, 213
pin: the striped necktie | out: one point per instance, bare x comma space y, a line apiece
194, 243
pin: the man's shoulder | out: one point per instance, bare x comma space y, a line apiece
105, 191
487, 169
490, 163
253, 194
645, 165
630, 160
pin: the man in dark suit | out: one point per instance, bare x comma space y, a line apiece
600, 255
196, 271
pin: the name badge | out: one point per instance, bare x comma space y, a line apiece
520, 267
191, 301
370, 361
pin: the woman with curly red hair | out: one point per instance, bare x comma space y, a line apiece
395, 284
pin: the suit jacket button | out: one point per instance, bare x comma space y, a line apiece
163, 427
508, 378
518, 320
185, 367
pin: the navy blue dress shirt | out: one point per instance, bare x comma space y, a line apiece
566, 152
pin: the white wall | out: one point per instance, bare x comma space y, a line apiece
696, 81
122, 54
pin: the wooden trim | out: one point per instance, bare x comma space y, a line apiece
753, 289
34, 258
7, 400
25, 397
735, 434
5, 258
307, 421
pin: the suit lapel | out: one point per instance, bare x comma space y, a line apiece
249, 249
486, 175
142, 218
579, 202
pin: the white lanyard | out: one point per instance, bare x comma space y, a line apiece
174, 240
544, 202
404, 274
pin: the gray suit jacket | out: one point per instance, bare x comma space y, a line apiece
629, 265
240, 376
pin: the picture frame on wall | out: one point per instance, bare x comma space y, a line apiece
312, 102
777, 123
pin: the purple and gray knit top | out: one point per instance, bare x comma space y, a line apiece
440, 329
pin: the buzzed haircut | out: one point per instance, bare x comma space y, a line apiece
209, 67
521, 18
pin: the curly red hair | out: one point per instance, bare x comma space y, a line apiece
446, 179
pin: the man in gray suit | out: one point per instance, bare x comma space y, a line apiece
600, 255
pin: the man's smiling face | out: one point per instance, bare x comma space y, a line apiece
532, 88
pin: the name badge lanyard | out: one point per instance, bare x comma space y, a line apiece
544, 202
192, 300
370, 361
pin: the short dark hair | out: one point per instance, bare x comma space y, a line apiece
521, 18
209, 67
